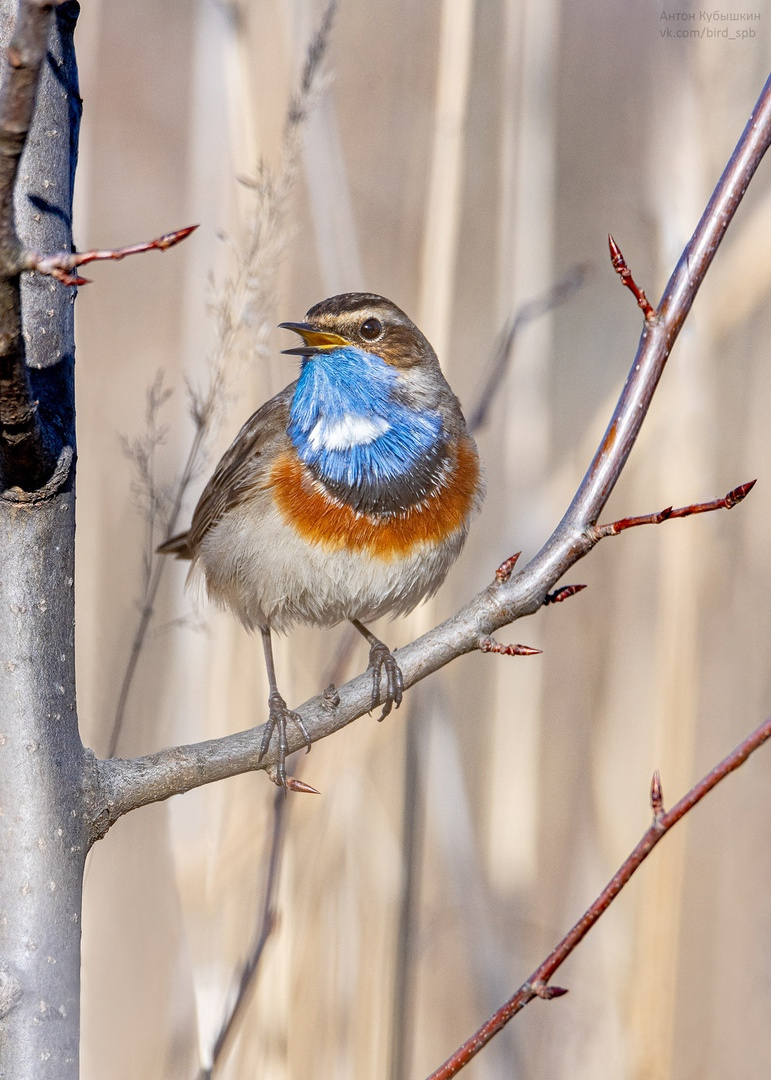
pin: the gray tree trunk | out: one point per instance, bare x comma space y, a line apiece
43, 827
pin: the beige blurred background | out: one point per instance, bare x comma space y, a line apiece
460, 159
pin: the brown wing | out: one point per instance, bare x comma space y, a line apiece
243, 468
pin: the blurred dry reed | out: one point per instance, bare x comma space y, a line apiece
242, 309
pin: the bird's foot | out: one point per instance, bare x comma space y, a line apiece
382, 659
278, 715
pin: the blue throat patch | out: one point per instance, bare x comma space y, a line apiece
345, 395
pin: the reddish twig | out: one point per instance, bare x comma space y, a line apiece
623, 271
62, 263
564, 593
536, 985
730, 500
489, 644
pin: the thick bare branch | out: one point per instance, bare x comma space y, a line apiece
27, 457
537, 984
42, 760
25, 55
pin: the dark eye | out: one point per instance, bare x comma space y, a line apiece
371, 329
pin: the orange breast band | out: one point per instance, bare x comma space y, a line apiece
323, 520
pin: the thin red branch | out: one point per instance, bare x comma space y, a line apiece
537, 984
730, 500
62, 263
623, 271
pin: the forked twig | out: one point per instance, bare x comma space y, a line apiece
537, 984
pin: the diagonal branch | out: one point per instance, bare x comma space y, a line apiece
124, 785
536, 985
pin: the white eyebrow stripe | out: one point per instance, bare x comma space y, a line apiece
347, 431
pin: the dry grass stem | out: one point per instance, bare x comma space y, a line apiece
242, 307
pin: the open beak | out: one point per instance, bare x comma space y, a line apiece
316, 341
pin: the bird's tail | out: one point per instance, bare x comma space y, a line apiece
178, 545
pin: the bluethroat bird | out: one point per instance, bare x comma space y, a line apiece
346, 496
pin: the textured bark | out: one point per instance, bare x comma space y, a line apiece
38, 131
43, 838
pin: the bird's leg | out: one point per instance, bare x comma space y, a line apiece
381, 657
278, 714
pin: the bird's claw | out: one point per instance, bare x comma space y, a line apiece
381, 658
278, 715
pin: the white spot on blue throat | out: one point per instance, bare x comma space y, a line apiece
346, 424
347, 431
